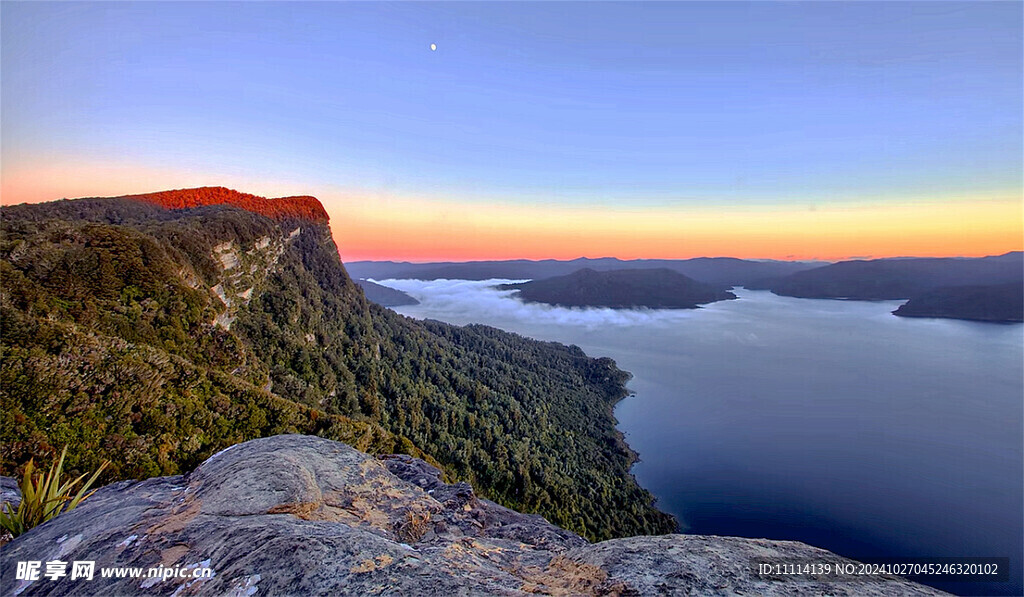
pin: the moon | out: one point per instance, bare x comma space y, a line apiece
433, 47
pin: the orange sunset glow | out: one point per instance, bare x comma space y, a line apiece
429, 231
369, 227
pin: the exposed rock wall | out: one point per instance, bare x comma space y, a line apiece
243, 270
299, 515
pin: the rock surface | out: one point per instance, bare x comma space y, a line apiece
9, 491
300, 515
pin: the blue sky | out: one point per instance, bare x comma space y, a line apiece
624, 105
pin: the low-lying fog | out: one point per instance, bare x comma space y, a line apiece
830, 422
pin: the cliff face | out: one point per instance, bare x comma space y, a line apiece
298, 515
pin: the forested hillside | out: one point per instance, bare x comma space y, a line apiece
997, 302
155, 337
660, 288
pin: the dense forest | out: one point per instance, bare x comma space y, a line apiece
155, 337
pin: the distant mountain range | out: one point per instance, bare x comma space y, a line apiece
659, 288
983, 288
896, 278
716, 271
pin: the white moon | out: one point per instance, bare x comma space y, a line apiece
433, 47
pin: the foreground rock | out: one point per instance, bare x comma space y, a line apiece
300, 515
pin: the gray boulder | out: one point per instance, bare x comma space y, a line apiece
300, 515
9, 492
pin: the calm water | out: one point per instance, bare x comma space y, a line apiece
829, 422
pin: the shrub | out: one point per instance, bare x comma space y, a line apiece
44, 497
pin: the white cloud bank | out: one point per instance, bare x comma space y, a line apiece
467, 301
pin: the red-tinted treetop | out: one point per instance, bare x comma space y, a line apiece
305, 207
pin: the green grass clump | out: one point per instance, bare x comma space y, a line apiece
44, 497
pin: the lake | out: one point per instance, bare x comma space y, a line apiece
829, 422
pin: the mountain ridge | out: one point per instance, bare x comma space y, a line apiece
896, 278
971, 288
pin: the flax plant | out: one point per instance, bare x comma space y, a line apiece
44, 496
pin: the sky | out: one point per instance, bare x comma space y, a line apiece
815, 130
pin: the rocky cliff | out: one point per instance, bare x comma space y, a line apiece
300, 515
